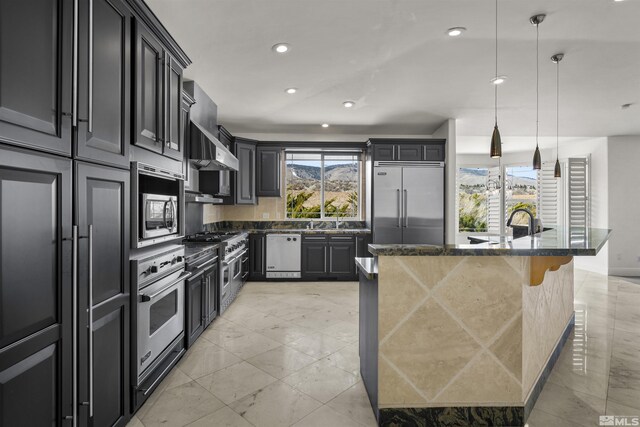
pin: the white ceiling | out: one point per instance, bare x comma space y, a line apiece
407, 76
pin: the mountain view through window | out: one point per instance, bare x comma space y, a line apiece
322, 185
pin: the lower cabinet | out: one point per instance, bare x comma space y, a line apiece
257, 256
195, 315
202, 302
328, 257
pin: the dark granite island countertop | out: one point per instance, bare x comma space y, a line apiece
555, 242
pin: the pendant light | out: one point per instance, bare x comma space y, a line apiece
537, 20
556, 59
496, 141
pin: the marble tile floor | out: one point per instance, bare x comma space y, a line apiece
286, 354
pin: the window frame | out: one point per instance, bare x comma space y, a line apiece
358, 154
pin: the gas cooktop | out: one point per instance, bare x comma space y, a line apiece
211, 237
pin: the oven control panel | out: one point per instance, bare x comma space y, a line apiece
156, 266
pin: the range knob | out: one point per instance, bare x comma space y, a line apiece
153, 269
179, 258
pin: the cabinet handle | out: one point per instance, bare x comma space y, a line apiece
90, 125
90, 325
406, 208
399, 208
74, 79
74, 326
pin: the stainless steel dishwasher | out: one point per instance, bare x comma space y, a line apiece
284, 253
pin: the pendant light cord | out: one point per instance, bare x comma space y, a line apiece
558, 109
537, 81
496, 76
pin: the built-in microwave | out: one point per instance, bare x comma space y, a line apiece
159, 215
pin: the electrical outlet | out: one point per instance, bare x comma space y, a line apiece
619, 257
265, 215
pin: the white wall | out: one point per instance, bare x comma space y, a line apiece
624, 205
448, 131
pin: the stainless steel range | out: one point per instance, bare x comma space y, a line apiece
159, 285
234, 256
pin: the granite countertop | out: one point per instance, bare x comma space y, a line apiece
368, 266
554, 242
314, 231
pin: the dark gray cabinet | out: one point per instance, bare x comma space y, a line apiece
328, 257
35, 288
269, 170
211, 279
245, 178
362, 245
314, 256
104, 82
257, 256
102, 212
195, 311
417, 150
368, 343
158, 96
36, 74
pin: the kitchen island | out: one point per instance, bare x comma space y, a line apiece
467, 334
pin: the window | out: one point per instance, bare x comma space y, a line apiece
472, 199
323, 185
523, 193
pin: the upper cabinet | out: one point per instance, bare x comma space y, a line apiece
245, 184
158, 97
417, 150
104, 82
36, 44
269, 169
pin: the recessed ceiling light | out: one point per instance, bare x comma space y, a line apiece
348, 104
498, 80
325, 125
456, 31
281, 48
618, 0
291, 90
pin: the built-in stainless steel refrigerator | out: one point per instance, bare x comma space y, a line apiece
408, 203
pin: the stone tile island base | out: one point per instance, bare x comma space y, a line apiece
466, 340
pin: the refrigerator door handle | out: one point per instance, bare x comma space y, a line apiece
399, 208
406, 208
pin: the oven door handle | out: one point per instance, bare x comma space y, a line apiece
147, 298
235, 258
164, 214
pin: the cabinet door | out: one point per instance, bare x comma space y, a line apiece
342, 258
257, 256
245, 177
212, 279
384, 152
104, 82
36, 73
102, 203
173, 137
269, 168
148, 91
35, 289
409, 152
314, 258
434, 152
195, 308
362, 246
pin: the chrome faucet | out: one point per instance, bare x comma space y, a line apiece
310, 226
337, 220
528, 212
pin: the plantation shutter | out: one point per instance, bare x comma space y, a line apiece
494, 218
549, 195
578, 193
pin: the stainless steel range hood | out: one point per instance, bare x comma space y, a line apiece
206, 151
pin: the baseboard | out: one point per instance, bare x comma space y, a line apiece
512, 416
624, 272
